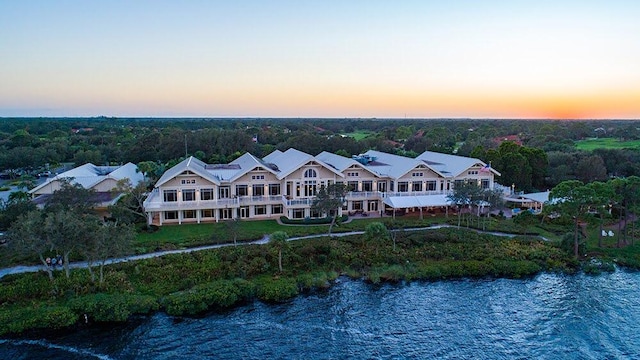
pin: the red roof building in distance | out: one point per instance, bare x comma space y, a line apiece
514, 138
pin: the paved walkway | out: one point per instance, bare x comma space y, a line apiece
265, 239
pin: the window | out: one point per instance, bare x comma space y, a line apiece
188, 181
207, 213
170, 215
189, 214
417, 186
367, 185
458, 183
298, 213
382, 186
356, 205
354, 174
484, 183
257, 177
310, 173
417, 174
403, 186
188, 194
472, 172
352, 185
274, 189
276, 209
226, 213
206, 194
170, 195
261, 210
310, 188
241, 190
223, 192
431, 185
258, 190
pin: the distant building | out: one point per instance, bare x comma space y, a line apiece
102, 179
513, 138
286, 183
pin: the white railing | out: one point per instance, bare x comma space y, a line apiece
155, 202
364, 195
417, 193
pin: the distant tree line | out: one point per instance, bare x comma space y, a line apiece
32, 143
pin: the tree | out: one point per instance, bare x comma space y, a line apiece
11, 210
130, 207
463, 194
278, 241
151, 170
377, 234
329, 200
233, 227
73, 197
602, 195
26, 235
105, 241
65, 230
573, 198
396, 229
492, 199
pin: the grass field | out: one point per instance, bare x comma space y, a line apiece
359, 135
606, 143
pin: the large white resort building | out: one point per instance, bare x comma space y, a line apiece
285, 183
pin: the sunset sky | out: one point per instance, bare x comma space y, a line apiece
418, 59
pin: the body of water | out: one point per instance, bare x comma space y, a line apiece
551, 316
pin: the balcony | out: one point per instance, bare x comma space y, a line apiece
364, 195
155, 203
417, 193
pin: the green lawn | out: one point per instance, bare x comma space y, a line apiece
359, 135
189, 235
606, 143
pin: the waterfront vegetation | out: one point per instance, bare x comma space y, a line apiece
189, 284
194, 283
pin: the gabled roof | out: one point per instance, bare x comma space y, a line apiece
89, 175
288, 161
394, 166
341, 163
450, 165
189, 164
292, 159
248, 162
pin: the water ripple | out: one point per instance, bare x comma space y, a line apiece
551, 316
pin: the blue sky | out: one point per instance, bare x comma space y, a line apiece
498, 59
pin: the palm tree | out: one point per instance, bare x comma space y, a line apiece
278, 241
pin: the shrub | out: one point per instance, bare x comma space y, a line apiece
276, 290
16, 320
112, 307
220, 294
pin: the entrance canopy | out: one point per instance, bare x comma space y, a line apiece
403, 202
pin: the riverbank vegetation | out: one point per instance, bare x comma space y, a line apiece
189, 284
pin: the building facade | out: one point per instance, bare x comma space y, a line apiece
285, 184
103, 180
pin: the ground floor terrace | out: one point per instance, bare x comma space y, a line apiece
269, 207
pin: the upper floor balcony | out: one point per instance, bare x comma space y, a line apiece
155, 202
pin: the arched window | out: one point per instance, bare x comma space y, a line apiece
310, 173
